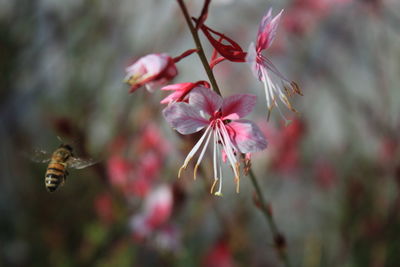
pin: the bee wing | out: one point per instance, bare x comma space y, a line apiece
79, 163
40, 156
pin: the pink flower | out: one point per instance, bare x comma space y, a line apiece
152, 71
133, 174
262, 67
304, 16
181, 91
222, 121
156, 212
118, 170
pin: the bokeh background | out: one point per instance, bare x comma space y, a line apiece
332, 177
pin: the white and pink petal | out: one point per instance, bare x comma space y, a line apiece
205, 99
267, 30
238, 106
246, 136
185, 118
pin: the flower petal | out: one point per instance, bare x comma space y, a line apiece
151, 64
205, 99
246, 136
237, 106
171, 97
185, 118
267, 30
175, 87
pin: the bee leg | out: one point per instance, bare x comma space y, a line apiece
64, 178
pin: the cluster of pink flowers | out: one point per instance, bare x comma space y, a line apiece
194, 106
136, 175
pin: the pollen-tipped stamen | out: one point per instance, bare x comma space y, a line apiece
229, 148
213, 185
201, 155
183, 167
193, 151
237, 178
195, 171
296, 88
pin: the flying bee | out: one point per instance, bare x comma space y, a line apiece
61, 159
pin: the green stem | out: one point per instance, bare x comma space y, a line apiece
199, 47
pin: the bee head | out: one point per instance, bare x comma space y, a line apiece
68, 147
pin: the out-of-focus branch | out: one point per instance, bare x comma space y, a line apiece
279, 239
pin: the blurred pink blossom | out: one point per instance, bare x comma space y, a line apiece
152, 71
118, 170
304, 15
222, 120
133, 174
156, 212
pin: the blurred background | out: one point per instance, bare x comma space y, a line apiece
332, 176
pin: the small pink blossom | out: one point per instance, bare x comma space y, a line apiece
304, 16
277, 86
133, 174
221, 119
156, 212
181, 91
118, 170
152, 71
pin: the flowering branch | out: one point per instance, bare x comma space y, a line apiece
279, 240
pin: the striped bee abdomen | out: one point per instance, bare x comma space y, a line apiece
55, 176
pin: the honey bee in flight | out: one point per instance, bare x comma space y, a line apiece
61, 159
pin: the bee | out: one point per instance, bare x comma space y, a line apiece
61, 159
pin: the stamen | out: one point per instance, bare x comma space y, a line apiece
219, 163
237, 181
201, 155
195, 171
237, 178
193, 151
213, 185
215, 155
296, 88
228, 146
